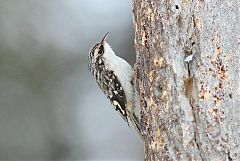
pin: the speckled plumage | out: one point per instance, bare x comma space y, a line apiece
113, 75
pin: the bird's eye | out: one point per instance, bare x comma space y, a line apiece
101, 49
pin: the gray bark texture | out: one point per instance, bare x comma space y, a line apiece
187, 74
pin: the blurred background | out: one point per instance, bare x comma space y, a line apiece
50, 105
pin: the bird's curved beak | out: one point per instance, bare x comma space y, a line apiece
104, 38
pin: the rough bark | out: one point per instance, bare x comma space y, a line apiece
190, 108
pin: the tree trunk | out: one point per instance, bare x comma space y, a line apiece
188, 77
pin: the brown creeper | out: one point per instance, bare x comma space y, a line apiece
114, 76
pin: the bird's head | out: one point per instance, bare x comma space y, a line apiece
100, 50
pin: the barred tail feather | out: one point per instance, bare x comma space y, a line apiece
136, 123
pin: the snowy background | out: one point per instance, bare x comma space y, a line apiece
50, 105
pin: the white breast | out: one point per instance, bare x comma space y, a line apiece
122, 69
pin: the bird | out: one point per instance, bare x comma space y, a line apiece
114, 76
